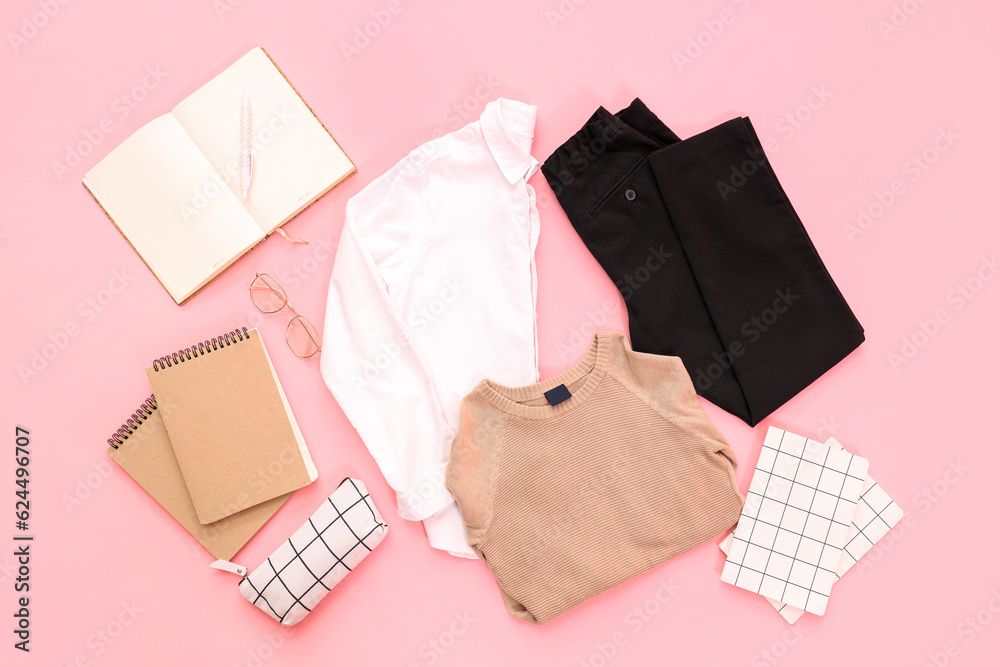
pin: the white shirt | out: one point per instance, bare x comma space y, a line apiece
433, 289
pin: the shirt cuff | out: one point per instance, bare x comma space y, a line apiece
427, 499
446, 531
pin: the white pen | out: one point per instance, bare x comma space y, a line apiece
246, 153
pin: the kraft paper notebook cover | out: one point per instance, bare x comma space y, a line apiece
173, 187
142, 448
232, 430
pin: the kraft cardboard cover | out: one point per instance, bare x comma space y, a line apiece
142, 448
232, 430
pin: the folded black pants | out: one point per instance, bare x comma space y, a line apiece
711, 259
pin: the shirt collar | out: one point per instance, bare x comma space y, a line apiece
508, 128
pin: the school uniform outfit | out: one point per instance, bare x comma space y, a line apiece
433, 289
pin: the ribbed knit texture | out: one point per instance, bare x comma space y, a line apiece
565, 502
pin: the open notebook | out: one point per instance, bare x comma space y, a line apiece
173, 187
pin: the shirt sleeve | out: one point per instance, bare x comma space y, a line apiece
381, 381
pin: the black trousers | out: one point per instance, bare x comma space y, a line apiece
711, 259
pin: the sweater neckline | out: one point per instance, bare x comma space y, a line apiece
593, 367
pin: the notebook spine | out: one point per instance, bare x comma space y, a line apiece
201, 349
144, 412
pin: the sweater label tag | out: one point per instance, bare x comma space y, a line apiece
557, 395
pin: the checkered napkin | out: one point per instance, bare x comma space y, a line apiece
338, 536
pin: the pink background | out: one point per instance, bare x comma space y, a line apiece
105, 554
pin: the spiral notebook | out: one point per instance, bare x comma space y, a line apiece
230, 425
142, 448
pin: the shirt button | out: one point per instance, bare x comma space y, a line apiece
630, 194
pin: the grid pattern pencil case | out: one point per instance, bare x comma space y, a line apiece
328, 546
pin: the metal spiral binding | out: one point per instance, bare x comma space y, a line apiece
201, 349
144, 412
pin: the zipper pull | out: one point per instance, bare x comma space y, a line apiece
226, 566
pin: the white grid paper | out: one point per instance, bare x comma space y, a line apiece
796, 522
875, 516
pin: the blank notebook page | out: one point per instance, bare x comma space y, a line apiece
144, 185
295, 158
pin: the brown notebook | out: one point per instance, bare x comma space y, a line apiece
232, 430
173, 187
143, 450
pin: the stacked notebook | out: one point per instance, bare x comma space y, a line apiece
217, 445
811, 513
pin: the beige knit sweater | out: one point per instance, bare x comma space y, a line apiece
565, 502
